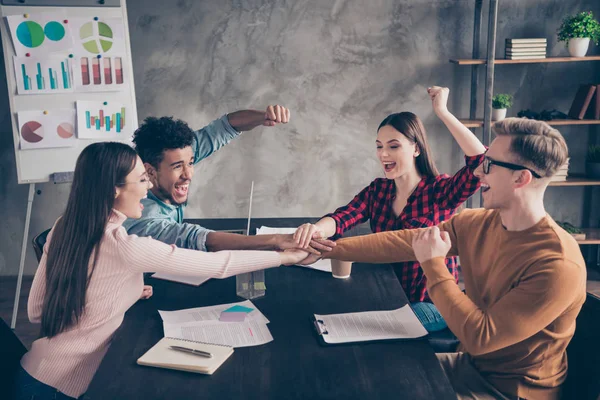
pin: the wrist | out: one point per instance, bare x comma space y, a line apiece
279, 240
443, 113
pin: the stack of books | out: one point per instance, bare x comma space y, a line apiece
562, 173
525, 49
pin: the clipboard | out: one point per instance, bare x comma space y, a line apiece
402, 319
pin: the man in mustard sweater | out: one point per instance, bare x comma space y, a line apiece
524, 276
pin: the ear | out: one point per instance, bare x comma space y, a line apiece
150, 170
417, 152
117, 191
522, 178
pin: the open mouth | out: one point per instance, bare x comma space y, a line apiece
389, 165
484, 188
182, 190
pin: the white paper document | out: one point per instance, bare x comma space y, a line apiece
321, 265
373, 325
193, 280
234, 334
210, 313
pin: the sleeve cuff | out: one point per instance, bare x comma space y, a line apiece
227, 126
338, 223
202, 239
473, 162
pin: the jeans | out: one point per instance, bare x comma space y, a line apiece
429, 316
29, 388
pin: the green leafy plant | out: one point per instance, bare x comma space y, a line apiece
582, 25
593, 155
569, 228
500, 101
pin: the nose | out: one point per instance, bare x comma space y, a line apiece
188, 172
150, 185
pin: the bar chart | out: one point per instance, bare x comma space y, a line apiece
103, 120
91, 74
47, 75
100, 121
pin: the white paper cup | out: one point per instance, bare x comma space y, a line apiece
341, 269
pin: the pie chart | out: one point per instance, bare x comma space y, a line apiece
30, 34
54, 31
65, 130
96, 37
32, 132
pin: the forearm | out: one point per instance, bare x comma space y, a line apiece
468, 142
327, 226
383, 247
217, 241
185, 235
246, 120
148, 255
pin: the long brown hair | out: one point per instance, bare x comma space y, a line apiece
411, 126
99, 169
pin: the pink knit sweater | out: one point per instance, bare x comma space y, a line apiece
69, 360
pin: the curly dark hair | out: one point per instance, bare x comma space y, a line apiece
156, 135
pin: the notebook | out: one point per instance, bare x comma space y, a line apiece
162, 356
401, 323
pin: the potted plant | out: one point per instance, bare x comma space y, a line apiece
577, 233
592, 162
500, 103
577, 31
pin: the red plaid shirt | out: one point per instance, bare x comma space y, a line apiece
434, 200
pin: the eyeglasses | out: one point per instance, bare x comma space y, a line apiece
487, 162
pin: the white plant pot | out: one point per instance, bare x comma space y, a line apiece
578, 47
498, 114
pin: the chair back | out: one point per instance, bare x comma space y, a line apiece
583, 354
38, 243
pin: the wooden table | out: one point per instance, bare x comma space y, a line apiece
294, 365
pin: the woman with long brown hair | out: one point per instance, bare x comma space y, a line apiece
412, 195
91, 272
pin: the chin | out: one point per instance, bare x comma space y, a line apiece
179, 200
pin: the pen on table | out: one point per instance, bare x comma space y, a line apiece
192, 351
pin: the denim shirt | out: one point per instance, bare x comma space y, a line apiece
163, 221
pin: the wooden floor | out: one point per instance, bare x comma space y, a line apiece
25, 330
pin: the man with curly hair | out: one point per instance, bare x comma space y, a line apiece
169, 150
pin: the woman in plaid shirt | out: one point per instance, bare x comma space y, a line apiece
412, 195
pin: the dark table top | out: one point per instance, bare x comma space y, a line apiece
294, 365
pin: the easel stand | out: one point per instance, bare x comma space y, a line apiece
23, 253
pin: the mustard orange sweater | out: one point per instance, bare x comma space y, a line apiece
523, 292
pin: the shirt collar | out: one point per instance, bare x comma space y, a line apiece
161, 203
117, 217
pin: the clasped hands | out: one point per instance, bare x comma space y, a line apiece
304, 246
427, 244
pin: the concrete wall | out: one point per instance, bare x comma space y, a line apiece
341, 66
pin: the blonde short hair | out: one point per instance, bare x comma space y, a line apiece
535, 143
